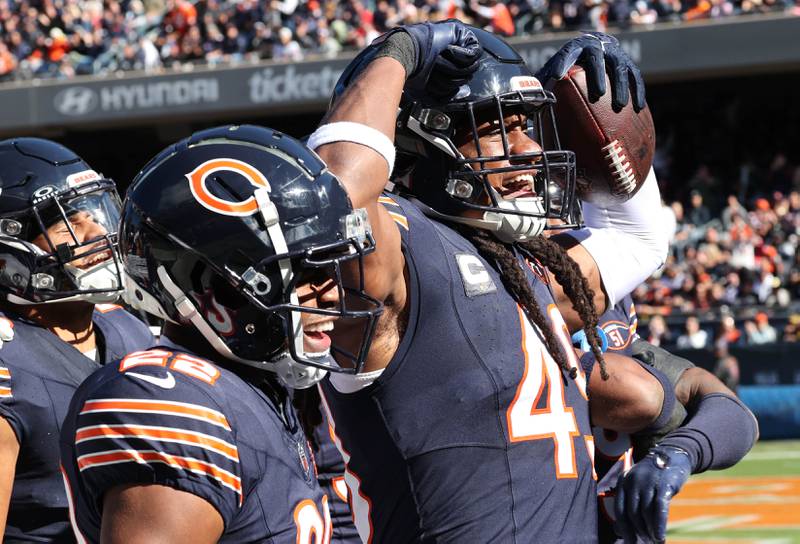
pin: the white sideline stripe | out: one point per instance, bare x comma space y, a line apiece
753, 499
768, 455
711, 523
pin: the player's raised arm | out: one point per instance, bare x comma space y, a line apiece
356, 137
356, 141
623, 242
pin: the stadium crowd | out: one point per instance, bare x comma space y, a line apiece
62, 38
732, 258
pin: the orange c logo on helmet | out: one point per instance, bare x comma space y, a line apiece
197, 183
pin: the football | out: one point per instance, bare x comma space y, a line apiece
613, 150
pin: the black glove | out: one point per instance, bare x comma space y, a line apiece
444, 55
592, 50
645, 491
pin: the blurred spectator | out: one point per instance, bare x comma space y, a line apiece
658, 333
694, 337
7, 62
704, 182
791, 333
727, 335
698, 212
733, 208
760, 331
287, 49
493, 15
643, 13
727, 370
61, 38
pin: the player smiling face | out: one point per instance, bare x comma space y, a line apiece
321, 292
332, 335
518, 182
82, 227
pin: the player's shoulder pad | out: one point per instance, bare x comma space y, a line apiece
158, 416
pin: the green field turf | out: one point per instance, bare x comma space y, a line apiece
710, 517
774, 458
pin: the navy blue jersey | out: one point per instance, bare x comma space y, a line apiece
613, 450
38, 375
472, 433
330, 471
619, 324
168, 417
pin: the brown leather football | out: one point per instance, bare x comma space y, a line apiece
613, 150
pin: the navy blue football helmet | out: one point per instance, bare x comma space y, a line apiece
58, 225
430, 165
220, 230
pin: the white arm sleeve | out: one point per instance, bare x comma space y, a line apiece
627, 241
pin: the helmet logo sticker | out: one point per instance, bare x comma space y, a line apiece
79, 178
525, 83
197, 183
43, 192
213, 312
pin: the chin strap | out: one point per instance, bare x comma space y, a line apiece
102, 276
188, 311
507, 226
269, 213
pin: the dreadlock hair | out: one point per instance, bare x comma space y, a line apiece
566, 272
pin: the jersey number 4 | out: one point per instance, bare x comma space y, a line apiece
530, 417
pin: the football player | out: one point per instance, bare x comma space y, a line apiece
639, 510
471, 401
249, 248
59, 277
330, 465
470, 419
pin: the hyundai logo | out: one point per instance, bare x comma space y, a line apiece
75, 101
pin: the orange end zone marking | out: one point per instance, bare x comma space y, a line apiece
769, 501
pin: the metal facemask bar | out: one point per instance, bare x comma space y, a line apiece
555, 177
326, 258
51, 267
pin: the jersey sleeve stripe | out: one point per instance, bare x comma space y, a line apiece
71, 505
99, 459
387, 200
105, 308
161, 434
5, 392
179, 409
399, 219
5, 374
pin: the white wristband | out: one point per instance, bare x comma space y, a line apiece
357, 133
